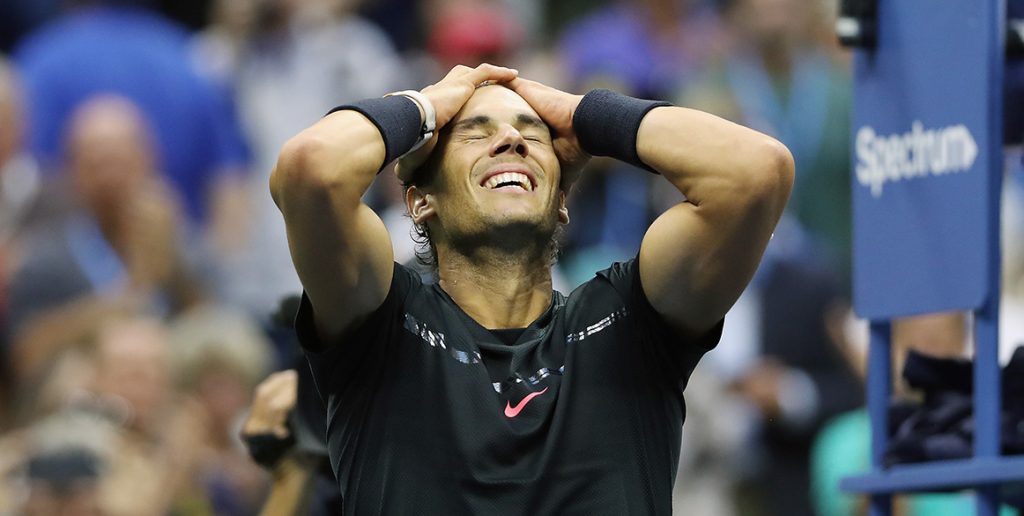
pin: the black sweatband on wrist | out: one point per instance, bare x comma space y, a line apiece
397, 118
606, 124
267, 449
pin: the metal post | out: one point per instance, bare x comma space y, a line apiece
987, 391
879, 393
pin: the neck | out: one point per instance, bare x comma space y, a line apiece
496, 289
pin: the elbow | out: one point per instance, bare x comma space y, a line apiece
297, 161
297, 168
774, 175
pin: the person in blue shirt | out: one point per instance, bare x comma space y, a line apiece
121, 48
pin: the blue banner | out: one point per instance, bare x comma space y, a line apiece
927, 158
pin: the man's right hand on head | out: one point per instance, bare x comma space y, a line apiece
448, 96
556, 108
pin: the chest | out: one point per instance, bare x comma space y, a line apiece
575, 386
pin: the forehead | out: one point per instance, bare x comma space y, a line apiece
495, 101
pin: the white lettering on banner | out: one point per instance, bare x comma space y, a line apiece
915, 154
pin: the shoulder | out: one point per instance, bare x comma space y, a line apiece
608, 290
622, 277
618, 290
405, 283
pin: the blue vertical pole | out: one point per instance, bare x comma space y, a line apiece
987, 398
879, 392
987, 393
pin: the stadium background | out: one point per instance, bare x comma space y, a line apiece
142, 258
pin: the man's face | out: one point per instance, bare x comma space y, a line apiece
497, 174
109, 153
132, 365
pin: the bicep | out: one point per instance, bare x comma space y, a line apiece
339, 246
697, 258
344, 261
694, 266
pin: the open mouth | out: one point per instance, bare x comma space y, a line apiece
509, 180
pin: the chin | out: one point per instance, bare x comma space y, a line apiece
522, 220
512, 232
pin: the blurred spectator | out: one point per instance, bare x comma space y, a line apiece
53, 469
19, 176
778, 351
119, 237
219, 356
285, 427
19, 189
712, 453
643, 48
119, 424
115, 47
472, 33
303, 480
122, 436
776, 76
780, 357
843, 446
156, 438
63, 482
288, 61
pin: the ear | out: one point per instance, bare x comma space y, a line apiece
563, 211
420, 204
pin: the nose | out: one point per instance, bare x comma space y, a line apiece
509, 139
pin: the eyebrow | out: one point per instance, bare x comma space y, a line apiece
521, 120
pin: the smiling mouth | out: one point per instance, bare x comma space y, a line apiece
509, 180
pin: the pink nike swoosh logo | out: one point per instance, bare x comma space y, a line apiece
511, 411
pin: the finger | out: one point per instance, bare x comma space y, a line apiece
457, 71
285, 377
276, 382
520, 84
489, 72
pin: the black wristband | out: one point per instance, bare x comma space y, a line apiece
397, 118
267, 449
606, 124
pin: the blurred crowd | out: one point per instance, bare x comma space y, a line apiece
141, 257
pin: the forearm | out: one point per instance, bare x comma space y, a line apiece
293, 482
736, 182
340, 248
340, 154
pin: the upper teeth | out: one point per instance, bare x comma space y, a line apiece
509, 177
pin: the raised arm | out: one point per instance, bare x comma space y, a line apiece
699, 255
339, 246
